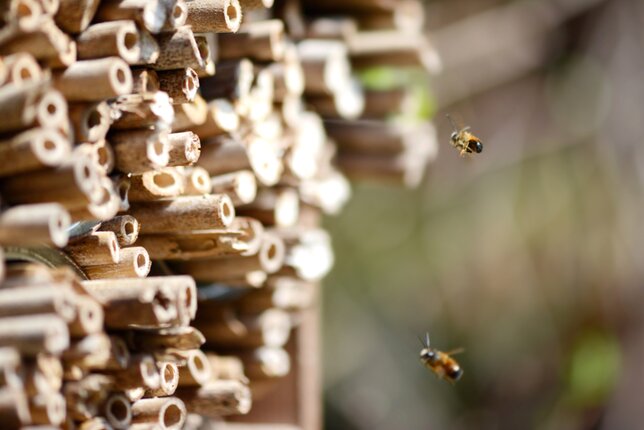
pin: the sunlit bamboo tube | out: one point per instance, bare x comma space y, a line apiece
134, 262
270, 327
219, 16
169, 380
241, 186
196, 370
266, 362
183, 148
38, 300
168, 413
141, 372
125, 227
261, 41
179, 50
136, 111
151, 14
118, 411
184, 213
31, 104
22, 68
47, 408
100, 247
217, 398
196, 181
73, 184
147, 302
138, 151
74, 17
110, 38
155, 185
94, 80
278, 207
181, 338
91, 121
181, 85
32, 224
34, 334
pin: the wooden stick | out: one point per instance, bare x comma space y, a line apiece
74, 17
149, 48
179, 50
14, 409
241, 186
34, 334
125, 227
260, 41
181, 85
100, 247
111, 38
391, 48
138, 151
90, 121
155, 185
184, 148
149, 13
288, 74
182, 338
133, 262
408, 16
169, 373
33, 224
184, 213
217, 16
168, 413
106, 206
332, 28
351, 6
118, 411
196, 181
347, 102
252, 234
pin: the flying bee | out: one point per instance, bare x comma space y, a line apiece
463, 140
443, 366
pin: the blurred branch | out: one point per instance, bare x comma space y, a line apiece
499, 45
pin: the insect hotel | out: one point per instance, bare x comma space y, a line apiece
164, 168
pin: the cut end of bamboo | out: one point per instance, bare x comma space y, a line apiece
118, 411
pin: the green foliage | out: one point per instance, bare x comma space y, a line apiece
594, 369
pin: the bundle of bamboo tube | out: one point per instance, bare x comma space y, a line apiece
164, 166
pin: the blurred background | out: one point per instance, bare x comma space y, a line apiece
528, 255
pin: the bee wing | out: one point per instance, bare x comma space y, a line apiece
427, 339
455, 351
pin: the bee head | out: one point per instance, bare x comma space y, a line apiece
428, 354
478, 147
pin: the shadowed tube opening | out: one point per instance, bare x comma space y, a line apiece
172, 415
